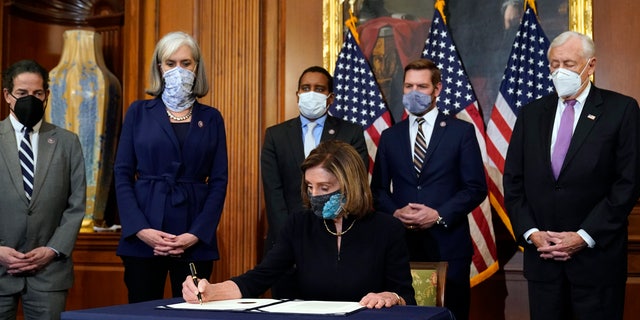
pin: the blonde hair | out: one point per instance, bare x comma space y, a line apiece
167, 46
343, 161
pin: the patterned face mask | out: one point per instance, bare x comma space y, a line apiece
178, 89
327, 206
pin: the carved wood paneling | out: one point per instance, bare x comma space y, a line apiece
70, 12
98, 272
233, 28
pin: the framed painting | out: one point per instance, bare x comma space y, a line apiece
392, 33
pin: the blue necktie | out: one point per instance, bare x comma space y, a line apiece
26, 162
309, 140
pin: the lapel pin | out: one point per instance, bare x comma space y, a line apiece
443, 124
200, 124
332, 131
51, 140
591, 117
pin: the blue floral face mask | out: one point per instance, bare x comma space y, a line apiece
178, 84
327, 206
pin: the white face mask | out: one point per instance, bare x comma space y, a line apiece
178, 89
312, 105
567, 82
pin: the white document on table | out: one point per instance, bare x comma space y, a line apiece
226, 305
314, 307
274, 306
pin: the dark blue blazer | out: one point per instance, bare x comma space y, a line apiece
162, 186
452, 182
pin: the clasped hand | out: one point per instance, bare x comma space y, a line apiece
559, 246
166, 244
17, 262
416, 215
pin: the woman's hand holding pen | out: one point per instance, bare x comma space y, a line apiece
209, 292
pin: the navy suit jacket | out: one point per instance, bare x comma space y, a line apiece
163, 186
597, 187
282, 155
452, 182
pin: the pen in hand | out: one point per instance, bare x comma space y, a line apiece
195, 279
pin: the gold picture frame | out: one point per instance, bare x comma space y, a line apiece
580, 20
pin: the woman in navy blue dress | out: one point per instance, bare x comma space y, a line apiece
171, 174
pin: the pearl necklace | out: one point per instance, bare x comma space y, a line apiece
185, 117
337, 234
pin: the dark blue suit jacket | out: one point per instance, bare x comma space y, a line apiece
452, 182
162, 186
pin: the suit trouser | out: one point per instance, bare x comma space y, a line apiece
562, 300
457, 294
145, 277
36, 305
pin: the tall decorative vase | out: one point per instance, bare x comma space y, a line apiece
86, 98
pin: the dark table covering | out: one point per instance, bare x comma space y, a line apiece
149, 310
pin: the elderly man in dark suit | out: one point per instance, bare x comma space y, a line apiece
287, 144
40, 211
571, 178
429, 174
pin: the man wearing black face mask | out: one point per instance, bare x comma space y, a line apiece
42, 198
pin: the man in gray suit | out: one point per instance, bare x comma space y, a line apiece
284, 150
41, 210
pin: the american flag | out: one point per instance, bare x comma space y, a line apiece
525, 79
457, 98
357, 96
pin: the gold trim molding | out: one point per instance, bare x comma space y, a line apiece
580, 20
332, 26
581, 16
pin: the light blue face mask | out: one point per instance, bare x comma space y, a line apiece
327, 206
416, 102
178, 89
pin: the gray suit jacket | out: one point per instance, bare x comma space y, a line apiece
56, 210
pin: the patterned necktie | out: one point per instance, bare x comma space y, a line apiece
309, 140
420, 148
563, 138
26, 162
